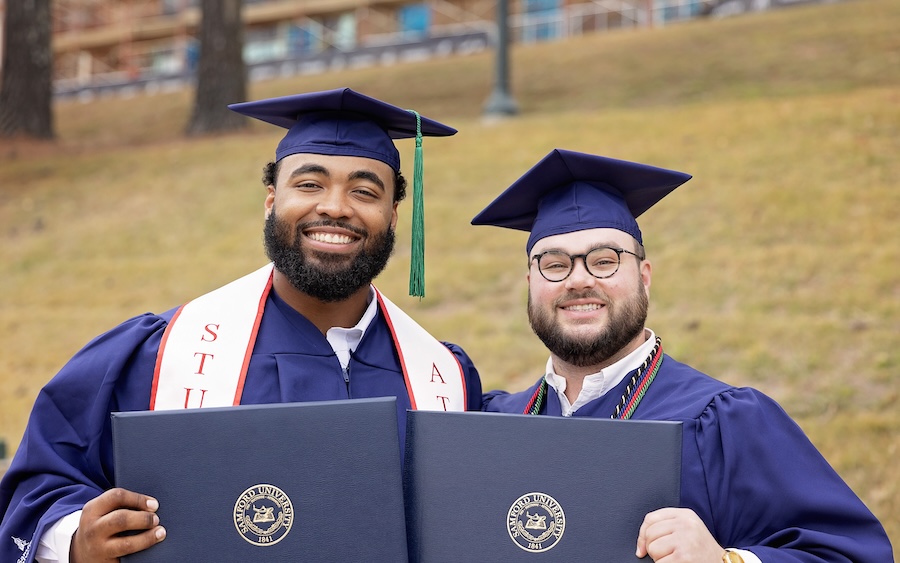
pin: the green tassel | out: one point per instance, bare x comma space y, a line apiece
417, 260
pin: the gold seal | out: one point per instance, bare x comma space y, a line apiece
536, 522
263, 514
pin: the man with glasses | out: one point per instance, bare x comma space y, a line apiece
754, 489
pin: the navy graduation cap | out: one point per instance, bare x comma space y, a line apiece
571, 191
342, 122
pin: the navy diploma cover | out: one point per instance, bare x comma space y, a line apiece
509, 487
317, 481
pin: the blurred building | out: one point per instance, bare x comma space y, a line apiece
123, 45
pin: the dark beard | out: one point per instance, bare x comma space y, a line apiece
330, 280
625, 322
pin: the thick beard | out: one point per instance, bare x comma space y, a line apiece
625, 322
330, 279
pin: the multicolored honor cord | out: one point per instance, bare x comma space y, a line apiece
634, 391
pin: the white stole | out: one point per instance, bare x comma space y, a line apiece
206, 348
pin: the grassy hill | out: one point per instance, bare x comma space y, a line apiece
776, 266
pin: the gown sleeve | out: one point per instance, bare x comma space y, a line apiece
489, 396
65, 456
771, 492
472, 379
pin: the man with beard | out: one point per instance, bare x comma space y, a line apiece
753, 487
307, 327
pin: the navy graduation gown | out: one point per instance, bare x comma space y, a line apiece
748, 470
65, 457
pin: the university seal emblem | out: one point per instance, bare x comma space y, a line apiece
536, 522
263, 515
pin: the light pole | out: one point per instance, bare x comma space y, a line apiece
500, 101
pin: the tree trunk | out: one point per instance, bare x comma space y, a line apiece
221, 76
26, 79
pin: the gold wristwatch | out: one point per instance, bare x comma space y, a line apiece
731, 557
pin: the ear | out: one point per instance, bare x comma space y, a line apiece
646, 271
270, 200
394, 215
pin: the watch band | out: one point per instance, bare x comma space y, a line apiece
731, 556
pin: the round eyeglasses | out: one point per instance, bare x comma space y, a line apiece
601, 262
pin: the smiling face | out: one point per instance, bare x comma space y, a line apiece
330, 223
584, 321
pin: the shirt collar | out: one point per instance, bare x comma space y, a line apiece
345, 340
598, 384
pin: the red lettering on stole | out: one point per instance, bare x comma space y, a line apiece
203, 356
435, 372
443, 400
187, 396
210, 332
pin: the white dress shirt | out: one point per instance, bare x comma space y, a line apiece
598, 384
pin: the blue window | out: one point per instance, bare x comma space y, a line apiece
542, 20
415, 19
301, 40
